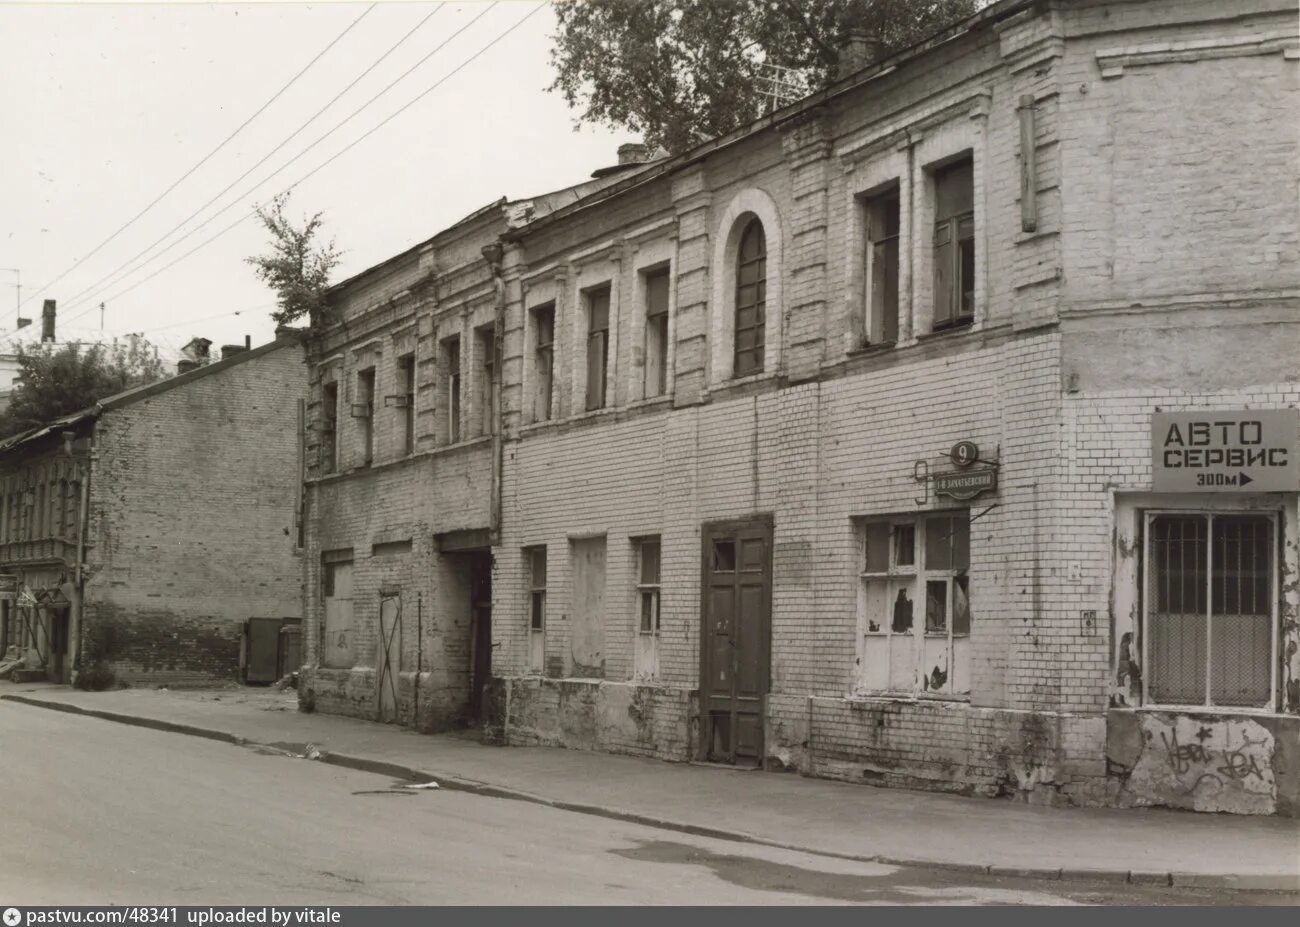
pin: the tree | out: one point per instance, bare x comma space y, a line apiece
682, 71
52, 381
297, 268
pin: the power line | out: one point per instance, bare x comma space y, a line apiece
124, 270
339, 154
205, 158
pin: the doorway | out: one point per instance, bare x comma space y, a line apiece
736, 639
480, 601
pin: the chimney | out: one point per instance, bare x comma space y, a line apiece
185, 365
230, 350
633, 153
248, 342
47, 321
858, 49
197, 350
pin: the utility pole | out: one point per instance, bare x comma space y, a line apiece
18, 295
101, 318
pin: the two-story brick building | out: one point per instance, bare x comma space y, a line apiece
147, 530
905, 435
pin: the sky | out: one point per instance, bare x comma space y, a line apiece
103, 107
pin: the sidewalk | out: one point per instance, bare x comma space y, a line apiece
819, 816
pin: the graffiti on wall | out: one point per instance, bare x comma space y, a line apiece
1216, 764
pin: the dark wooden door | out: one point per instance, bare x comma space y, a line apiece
736, 641
481, 618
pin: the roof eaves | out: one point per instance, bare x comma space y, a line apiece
992, 13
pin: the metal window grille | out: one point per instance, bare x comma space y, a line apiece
1210, 609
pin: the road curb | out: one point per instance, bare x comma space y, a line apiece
454, 783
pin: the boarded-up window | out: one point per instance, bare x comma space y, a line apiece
597, 346
751, 300
954, 244
882, 267
587, 631
656, 333
543, 361
338, 633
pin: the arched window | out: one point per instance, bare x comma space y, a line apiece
751, 300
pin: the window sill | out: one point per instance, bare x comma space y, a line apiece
910, 697
866, 350
1204, 710
947, 331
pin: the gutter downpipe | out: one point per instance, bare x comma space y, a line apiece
493, 254
83, 527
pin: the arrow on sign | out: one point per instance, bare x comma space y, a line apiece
1244, 480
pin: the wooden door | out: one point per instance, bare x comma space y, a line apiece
735, 651
390, 654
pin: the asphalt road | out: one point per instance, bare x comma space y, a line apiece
103, 813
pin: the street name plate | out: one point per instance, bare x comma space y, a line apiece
965, 484
1234, 451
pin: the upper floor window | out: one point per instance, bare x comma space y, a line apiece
406, 400
954, 244
364, 411
882, 215
751, 300
329, 426
597, 346
486, 381
543, 361
656, 333
451, 381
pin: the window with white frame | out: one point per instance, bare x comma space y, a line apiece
954, 244
882, 227
647, 552
535, 562
914, 612
656, 332
1210, 608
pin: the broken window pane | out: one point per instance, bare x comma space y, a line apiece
649, 611
961, 605
902, 619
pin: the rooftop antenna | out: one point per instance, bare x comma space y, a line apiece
18, 297
782, 86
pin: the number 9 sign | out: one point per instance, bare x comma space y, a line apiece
964, 453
